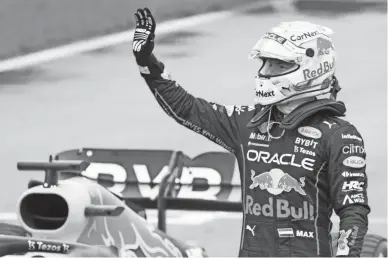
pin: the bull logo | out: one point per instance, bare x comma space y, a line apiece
276, 181
324, 46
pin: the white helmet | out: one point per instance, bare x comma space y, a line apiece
298, 61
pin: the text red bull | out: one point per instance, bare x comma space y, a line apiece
283, 209
323, 68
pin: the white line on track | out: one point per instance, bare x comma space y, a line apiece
117, 39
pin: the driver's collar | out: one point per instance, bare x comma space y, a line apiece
305, 110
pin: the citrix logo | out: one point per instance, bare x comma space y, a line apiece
352, 149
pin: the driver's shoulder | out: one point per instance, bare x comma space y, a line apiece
329, 124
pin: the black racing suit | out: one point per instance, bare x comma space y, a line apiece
290, 185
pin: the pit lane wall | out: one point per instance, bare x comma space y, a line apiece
33, 25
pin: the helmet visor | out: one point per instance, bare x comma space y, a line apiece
274, 46
276, 67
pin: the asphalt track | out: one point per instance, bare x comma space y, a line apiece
98, 99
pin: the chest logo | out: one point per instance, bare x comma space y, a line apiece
310, 132
276, 181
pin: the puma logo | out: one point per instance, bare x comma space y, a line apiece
330, 125
251, 229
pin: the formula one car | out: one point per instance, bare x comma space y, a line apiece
92, 202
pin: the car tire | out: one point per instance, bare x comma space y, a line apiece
374, 245
13, 230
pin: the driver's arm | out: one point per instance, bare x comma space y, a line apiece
208, 119
348, 182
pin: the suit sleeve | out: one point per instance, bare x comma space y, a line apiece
215, 122
348, 182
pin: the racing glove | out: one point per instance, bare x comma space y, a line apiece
143, 45
143, 39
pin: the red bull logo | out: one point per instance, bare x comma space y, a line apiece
323, 68
324, 46
276, 181
283, 209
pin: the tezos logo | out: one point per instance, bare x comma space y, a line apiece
309, 131
324, 67
354, 162
304, 151
47, 247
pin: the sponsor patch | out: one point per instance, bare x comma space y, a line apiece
310, 132
353, 149
283, 209
275, 37
351, 136
265, 94
328, 124
283, 159
354, 162
260, 137
40, 246
324, 67
352, 186
306, 143
251, 229
286, 232
354, 198
304, 151
351, 174
304, 36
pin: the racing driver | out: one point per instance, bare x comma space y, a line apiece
298, 160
